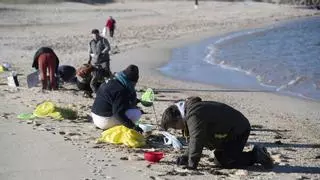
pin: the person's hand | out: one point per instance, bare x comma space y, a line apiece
182, 161
138, 129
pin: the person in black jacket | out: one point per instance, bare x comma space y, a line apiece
218, 127
116, 100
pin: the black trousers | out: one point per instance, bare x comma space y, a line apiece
111, 32
99, 73
84, 87
231, 154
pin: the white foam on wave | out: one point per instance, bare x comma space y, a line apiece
212, 50
291, 83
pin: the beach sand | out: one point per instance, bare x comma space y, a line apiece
146, 34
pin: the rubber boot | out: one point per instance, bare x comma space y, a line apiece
44, 84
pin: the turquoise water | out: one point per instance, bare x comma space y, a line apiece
284, 58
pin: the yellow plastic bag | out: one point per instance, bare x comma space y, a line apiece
1, 69
122, 135
47, 109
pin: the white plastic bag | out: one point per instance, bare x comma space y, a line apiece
170, 139
104, 31
13, 79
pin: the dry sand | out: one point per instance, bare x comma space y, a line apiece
145, 35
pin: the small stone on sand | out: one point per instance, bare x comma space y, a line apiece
124, 158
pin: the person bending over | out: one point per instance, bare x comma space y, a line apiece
218, 127
46, 60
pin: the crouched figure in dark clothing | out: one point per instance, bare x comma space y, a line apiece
116, 101
215, 126
84, 78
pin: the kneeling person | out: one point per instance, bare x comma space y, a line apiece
215, 126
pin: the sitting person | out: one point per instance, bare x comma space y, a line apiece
215, 126
116, 100
45, 59
84, 78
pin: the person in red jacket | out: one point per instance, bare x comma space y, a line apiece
111, 25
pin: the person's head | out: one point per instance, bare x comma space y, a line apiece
85, 70
95, 34
110, 17
132, 73
172, 118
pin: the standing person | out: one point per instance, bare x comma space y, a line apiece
215, 126
99, 48
111, 25
45, 59
116, 100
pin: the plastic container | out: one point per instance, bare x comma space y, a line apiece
146, 127
153, 156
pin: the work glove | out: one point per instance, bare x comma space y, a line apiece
138, 129
182, 160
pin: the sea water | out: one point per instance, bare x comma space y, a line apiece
284, 58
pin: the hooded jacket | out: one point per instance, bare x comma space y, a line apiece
209, 124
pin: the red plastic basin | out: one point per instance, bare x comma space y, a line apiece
153, 156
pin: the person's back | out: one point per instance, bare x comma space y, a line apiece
67, 73
106, 97
110, 23
219, 117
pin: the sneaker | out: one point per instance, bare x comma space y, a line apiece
263, 157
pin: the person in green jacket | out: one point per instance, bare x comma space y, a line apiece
218, 127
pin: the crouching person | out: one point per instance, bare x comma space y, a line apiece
84, 78
116, 99
215, 126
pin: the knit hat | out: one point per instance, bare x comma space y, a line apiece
132, 73
95, 31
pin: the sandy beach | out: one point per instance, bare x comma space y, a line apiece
146, 34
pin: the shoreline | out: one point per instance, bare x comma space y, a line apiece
165, 49
235, 70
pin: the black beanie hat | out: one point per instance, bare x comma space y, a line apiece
95, 31
132, 73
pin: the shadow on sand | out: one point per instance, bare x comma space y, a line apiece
288, 169
93, 1
286, 145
